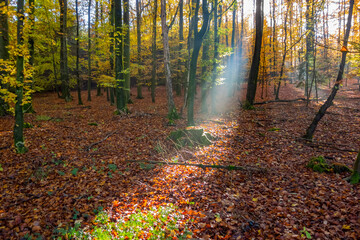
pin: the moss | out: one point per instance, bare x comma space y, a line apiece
355, 178
319, 164
190, 137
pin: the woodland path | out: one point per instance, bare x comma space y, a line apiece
39, 190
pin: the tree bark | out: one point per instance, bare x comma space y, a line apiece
19, 115
77, 54
4, 53
311, 129
198, 38
63, 52
138, 32
120, 81
127, 49
172, 114
254, 70
216, 56
153, 52
89, 53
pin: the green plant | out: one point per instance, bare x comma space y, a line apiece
43, 118
1, 169
74, 171
248, 106
157, 223
92, 124
28, 125
305, 233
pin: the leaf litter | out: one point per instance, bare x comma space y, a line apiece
61, 180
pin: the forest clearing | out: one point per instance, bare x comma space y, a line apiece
187, 119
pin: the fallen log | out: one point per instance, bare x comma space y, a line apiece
274, 101
228, 167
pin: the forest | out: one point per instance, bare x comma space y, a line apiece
179, 119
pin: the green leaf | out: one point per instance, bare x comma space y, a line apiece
74, 171
1, 169
61, 173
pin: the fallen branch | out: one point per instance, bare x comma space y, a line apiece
273, 101
229, 167
329, 145
98, 142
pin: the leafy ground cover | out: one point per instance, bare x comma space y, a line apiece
77, 167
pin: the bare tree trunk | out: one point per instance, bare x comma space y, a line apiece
19, 115
63, 52
4, 52
172, 114
153, 50
77, 54
89, 53
138, 32
254, 71
311, 129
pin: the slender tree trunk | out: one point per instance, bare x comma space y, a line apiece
204, 73
112, 43
63, 52
153, 52
96, 48
138, 31
28, 107
4, 53
309, 43
311, 129
216, 56
77, 54
241, 41
19, 115
172, 114
127, 49
120, 81
285, 50
254, 70
180, 74
89, 52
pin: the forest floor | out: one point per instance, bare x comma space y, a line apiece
76, 165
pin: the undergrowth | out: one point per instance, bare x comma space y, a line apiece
164, 222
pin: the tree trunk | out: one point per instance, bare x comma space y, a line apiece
285, 50
63, 52
205, 73
127, 49
28, 107
19, 115
311, 129
120, 81
198, 38
355, 177
89, 53
98, 87
77, 54
172, 114
4, 53
309, 43
216, 56
138, 31
153, 52
254, 70
180, 74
